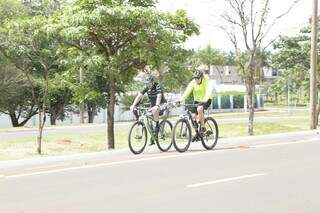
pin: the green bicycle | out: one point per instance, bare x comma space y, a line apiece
138, 134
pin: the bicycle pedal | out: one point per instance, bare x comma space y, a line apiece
195, 138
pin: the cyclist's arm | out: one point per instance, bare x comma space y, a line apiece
187, 92
139, 96
137, 99
159, 95
158, 101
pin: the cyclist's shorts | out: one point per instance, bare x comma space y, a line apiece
205, 106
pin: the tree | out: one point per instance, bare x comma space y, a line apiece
246, 17
17, 101
59, 97
116, 36
229, 58
179, 67
10, 9
291, 59
29, 46
16, 98
210, 56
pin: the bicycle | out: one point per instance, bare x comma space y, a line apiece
182, 134
138, 134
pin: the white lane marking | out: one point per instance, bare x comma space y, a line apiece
104, 164
223, 180
146, 159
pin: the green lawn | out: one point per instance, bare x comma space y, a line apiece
19, 148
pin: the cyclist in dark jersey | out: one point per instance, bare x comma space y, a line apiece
155, 96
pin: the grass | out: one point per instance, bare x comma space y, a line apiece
273, 105
263, 128
20, 148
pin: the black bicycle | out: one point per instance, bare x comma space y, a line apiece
182, 133
138, 134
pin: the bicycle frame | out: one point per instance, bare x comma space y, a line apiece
193, 121
147, 118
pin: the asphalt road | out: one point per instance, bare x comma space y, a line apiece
278, 173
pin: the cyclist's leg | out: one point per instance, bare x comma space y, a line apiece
156, 115
201, 115
136, 115
200, 110
194, 110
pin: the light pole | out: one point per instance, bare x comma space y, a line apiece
313, 65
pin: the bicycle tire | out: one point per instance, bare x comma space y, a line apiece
141, 146
211, 130
163, 145
184, 136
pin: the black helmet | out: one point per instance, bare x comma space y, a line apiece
198, 74
149, 79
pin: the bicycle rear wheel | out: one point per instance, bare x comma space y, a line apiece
137, 137
210, 137
182, 135
164, 141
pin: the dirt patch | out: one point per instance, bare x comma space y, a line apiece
64, 141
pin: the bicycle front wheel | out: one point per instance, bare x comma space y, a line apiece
210, 137
137, 137
164, 141
182, 135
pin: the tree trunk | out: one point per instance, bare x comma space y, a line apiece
91, 112
90, 116
317, 114
14, 120
110, 113
39, 138
42, 110
53, 119
251, 111
250, 90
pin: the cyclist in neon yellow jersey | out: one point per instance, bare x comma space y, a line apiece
201, 89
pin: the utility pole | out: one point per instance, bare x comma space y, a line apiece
313, 65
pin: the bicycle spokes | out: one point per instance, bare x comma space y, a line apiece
164, 141
182, 135
210, 137
137, 137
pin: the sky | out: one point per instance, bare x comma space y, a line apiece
207, 13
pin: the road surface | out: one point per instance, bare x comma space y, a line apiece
276, 174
